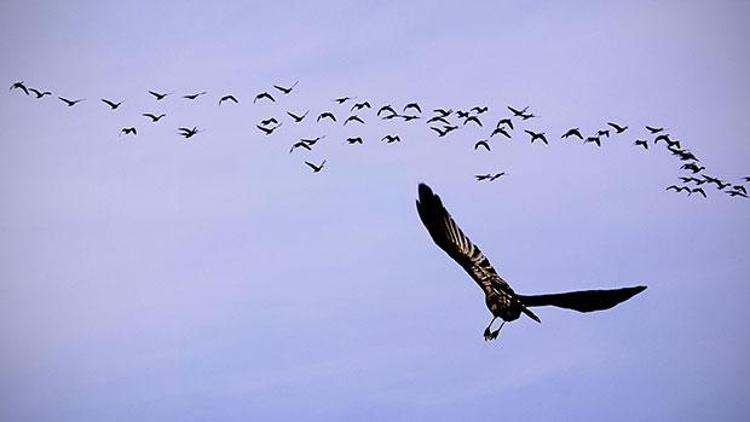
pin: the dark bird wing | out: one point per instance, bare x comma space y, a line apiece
585, 300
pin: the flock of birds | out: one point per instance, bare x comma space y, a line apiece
443, 122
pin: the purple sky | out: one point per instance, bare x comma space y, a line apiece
150, 278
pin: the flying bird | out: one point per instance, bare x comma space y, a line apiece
699, 190
479, 109
438, 119
300, 144
678, 188
70, 103
188, 132
159, 96
474, 119
572, 132
286, 90
505, 121
482, 143
414, 106
342, 100
297, 119
408, 118
39, 94
500, 131
326, 114
654, 130
188, 97
360, 106
128, 131
264, 95
641, 142
501, 300
593, 139
444, 131
268, 130
316, 168
353, 118
535, 136
518, 113
385, 108
154, 118
617, 128
228, 98
692, 167
442, 112
271, 120
112, 105
352, 141
391, 139
489, 177
603, 132
19, 85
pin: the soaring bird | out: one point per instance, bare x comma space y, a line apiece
342, 100
297, 119
442, 112
387, 108
654, 130
267, 130
187, 97
128, 131
19, 85
286, 90
572, 132
482, 143
594, 139
505, 121
300, 144
39, 94
502, 301
479, 109
316, 168
617, 128
518, 113
474, 119
603, 132
159, 96
353, 118
500, 131
228, 98
268, 121
188, 132
326, 114
438, 119
678, 188
414, 106
264, 95
692, 167
700, 191
444, 131
360, 106
70, 103
154, 118
734, 193
535, 136
641, 142
112, 105
391, 139
489, 177
408, 117
352, 141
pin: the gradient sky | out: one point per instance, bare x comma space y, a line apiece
152, 278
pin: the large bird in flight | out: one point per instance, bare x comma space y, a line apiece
502, 301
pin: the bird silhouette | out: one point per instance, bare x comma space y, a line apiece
501, 300
442, 112
535, 136
408, 118
528, 116
654, 130
360, 106
517, 112
505, 121
500, 131
438, 119
482, 143
316, 168
342, 100
734, 193
692, 167
664, 137
188, 133
391, 139
572, 132
352, 141
474, 119
159, 96
353, 118
271, 120
128, 131
39, 94
112, 105
387, 108
413, 106
593, 139
740, 188
300, 144
20, 86
444, 131
228, 98
489, 177
678, 188
297, 119
268, 130
479, 109
154, 118
264, 96
462, 114
286, 90
70, 103
641, 142
326, 115
618, 129
700, 191
603, 132
187, 97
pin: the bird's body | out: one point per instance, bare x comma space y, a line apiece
112, 105
482, 143
285, 90
297, 118
535, 136
264, 96
70, 103
315, 168
39, 94
154, 118
231, 98
187, 97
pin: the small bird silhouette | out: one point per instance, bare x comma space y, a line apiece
517, 112
489, 177
360, 106
297, 119
438, 119
641, 142
594, 139
187, 97
603, 132
654, 130
692, 167
353, 118
264, 95
271, 120
474, 119
572, 132
391, 139
228, 98
352, 141
154, 118
70, 103
112, 105
188, 132
39, 94
414, 106
159, 96
442, 112
479, 109
444, 131
316, 168
535, 136
286, 90
387, 108
268, 130
482, 143
500, 131
700, 191
300, 144
326, 114
128, 131
19, 85
408, 118
617, 128
342, 100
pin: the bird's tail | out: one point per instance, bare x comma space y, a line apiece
584, 300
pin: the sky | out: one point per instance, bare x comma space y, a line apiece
153, 278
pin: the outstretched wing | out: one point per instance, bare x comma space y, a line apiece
449, 237
585, 300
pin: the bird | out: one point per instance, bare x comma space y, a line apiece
699, 190
692, 167
678, 188
692, 179
654, 130
154, 118
128, 131
740, 188
535, 136
528, 116
442, 112
70, 103
39, 94
482, 143
112, 105
187, 97
160, 96
414, 106
617, 128
352, 141
300, 144
734, 193
594, 139
603, 132
385, 108
572, 132
518, 113
264, 95
438, 119
228, 98
663, 137
188, 132
316, 168
505, 121
297, 119
474, 119
462, 114
268, 130
342, 100
501, 300
286, 90
326, 114
489, 177
444, 131
271, 120
19, 85
501, 131
479, 109
360, 106
641, 142
353, 118
391, 139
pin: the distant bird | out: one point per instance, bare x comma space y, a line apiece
128, 131
70, 103
500, 131
692, 167
326, 114
442, 112
271, 120
112, 105
692, 179
505, 121
438, 119
353, 118
664, 137
297, 119
264, 95
312, 141
391, 139
39, 94
572, 132
387, 108
618, 129
286, 90
300, 144
482, 143
734, 193
228, 98
500, 298
19, 85
603, 132
444, 131
593, 139
740, 188
462, 114
535, 136
654, 130
528, 116
360, 106
316, 168
700, 191
518, 113
414, 106
160, 96
187, 97
479, 109
154, 118
268, 130
390, 117
342, 100
641, 142
678, 188
489, 177
352, 141
474, 119
188, 132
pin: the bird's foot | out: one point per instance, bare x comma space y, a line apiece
490, 335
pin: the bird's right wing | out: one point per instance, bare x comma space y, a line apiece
585, 300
